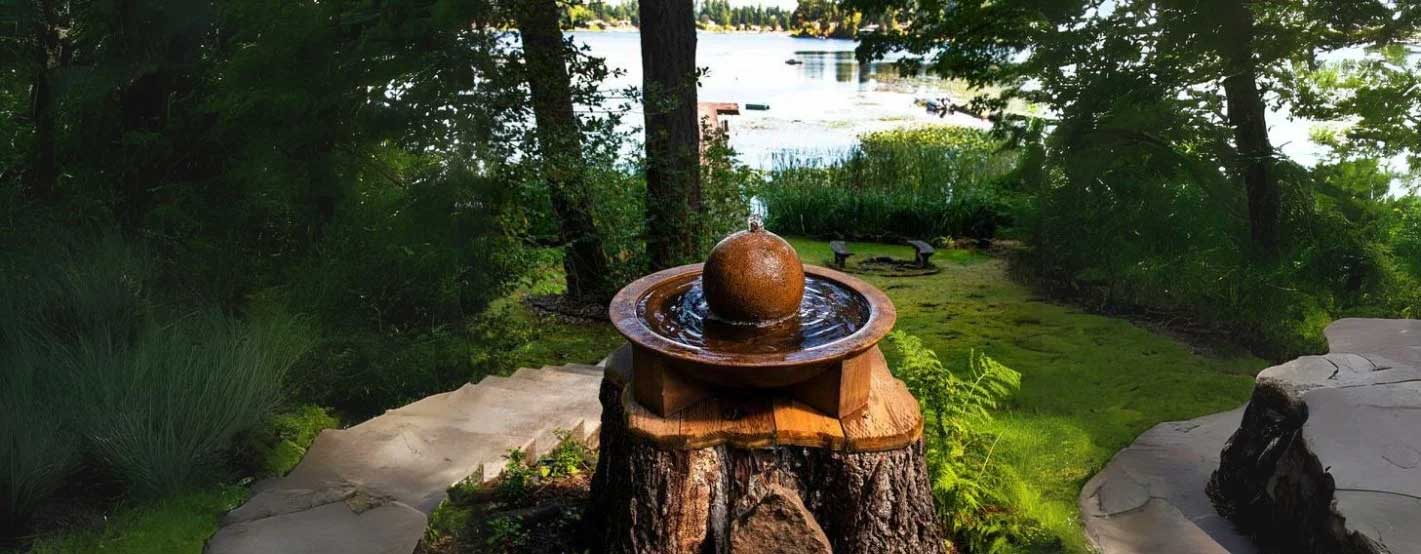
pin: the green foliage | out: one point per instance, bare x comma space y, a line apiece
910, 183
361, 372
278, 444
520, 475
517, 477
969, 489
37, 451
504, 534
177, 524
570, 457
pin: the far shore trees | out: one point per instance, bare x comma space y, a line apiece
673, 188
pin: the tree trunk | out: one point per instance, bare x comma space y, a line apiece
560, 141
43, 174
653, 498
1250, 129
673, 189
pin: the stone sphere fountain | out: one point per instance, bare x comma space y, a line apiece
752, 318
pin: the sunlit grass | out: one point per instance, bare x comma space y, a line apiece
1090, 384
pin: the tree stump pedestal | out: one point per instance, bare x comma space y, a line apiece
751, 471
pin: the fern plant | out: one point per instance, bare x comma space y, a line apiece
959, 405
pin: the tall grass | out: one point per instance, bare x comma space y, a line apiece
161, 412
92, 369
36, 449
921, 183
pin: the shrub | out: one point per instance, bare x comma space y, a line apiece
969, 490
910, 183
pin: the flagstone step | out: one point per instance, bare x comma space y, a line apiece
371, 487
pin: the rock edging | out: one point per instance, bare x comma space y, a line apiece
1327, 457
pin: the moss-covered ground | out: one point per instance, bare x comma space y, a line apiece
1090, 384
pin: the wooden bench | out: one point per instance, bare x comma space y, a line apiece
924, 251
841, 252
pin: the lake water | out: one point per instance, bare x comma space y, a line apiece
817, 108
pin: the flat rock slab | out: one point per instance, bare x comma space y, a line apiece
1327, 456
1149, 499
391, 528
370, 488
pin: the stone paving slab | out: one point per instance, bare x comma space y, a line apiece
1349, 420
391, 528
370, 488
1149, 499
1327, 458
1396, 339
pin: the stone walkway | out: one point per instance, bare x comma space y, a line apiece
1150, 498
1363, 434
369, 489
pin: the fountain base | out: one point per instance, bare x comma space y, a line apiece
761, 472
665, 386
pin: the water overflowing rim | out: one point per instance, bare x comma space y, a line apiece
626, 305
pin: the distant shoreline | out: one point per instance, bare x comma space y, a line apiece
633, 29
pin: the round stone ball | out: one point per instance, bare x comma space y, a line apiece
753, 277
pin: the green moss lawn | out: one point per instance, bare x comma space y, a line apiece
1090, 384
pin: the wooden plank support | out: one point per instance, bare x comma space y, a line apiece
889, 419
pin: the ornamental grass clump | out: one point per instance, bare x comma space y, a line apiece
36, 450
160, 413
93, 368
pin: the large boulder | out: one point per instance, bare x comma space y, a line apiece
1327, 458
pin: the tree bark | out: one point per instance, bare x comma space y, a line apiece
652, 500
560, 142
673, 188
1246, 114
43, 174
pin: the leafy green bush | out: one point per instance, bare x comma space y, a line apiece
1161, 233
911, 183
969, 490
361, 372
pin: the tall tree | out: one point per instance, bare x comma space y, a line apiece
1171, 79
33, 31
1247, 117
673, 188
560, 145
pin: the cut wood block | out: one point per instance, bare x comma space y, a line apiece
765, 419
891, 420
796, 424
